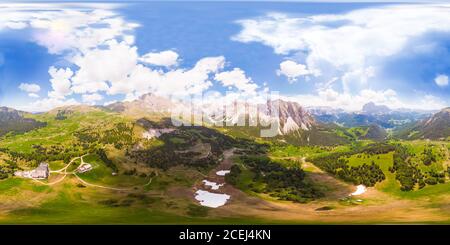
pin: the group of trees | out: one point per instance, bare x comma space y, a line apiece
250, 147
108, 162
407, 174
120, 135
435, 178
428, 156
178, 148
7, 168
366, 174
42, 153
275, 179
61, 115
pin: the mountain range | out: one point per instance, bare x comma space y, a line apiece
14, 121
436, 126
296, 124
370, 114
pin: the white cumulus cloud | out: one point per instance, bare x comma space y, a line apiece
362, 34
178, 82
166, 58
30, 88
351, 45
237, 78
60, 82
100, 66
354, 102
91, 98
61, 27
293, 70
98, 45
46, 104
441, 80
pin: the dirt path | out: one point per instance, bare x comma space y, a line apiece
52, 183
68, 165
63, 171
101, 186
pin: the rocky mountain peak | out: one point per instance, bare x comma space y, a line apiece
372, 108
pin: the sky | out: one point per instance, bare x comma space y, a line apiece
340, 55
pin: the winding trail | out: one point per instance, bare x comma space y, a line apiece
60, 171
68, 165
63, 171
101, 186
52, 183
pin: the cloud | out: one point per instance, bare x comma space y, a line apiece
354, 102
346, 39
15, 25
350, 102
166, 58
292, 70
329, 94
350, 46
91, 98
441, 80
30, 87
237, 78
178, 82
431, 102
357, 76
97, 44
60, 82
109, 102
46, 104
75, 27
100, 66
193, 81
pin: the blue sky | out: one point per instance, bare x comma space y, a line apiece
319, 54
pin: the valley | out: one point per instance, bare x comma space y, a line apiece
139, 168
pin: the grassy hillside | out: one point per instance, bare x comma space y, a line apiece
141, 179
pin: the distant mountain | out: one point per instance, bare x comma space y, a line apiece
147, 103
436, 126
296, 125
375, 132
369, 115
293, 117
73, 108
324, 110
372, 108
14, 121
